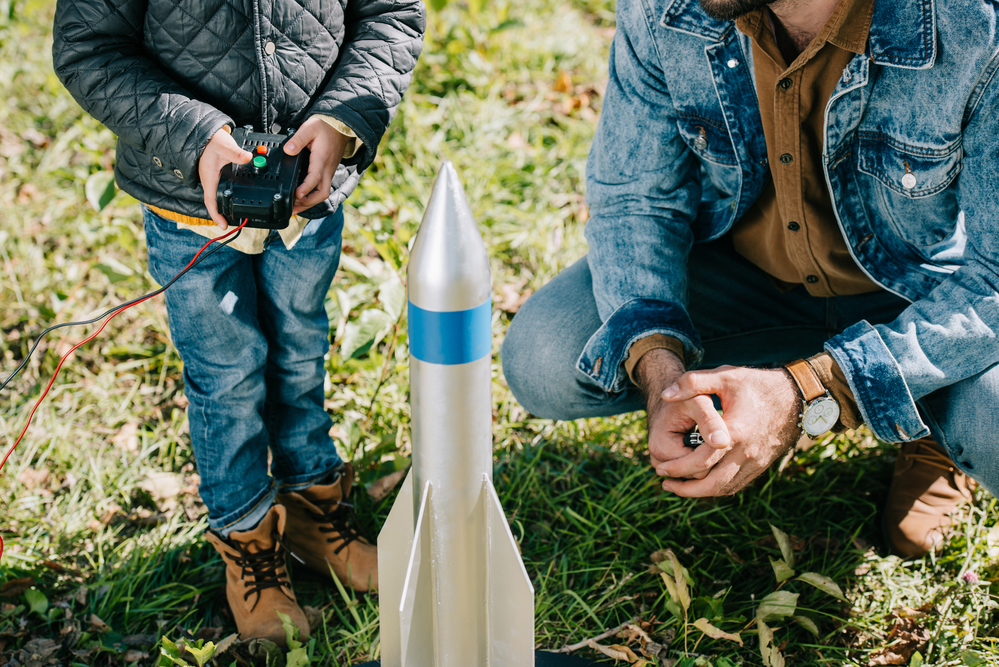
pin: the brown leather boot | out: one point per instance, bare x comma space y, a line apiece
926, 490
256, 576
322, 533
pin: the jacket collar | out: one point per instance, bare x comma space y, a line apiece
903, 32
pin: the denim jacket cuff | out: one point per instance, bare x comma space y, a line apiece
603, 357
874, 376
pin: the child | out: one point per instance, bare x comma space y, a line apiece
172, 78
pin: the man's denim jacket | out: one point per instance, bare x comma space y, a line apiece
679, 156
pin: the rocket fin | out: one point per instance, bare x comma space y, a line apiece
416, 609
395, 543
509, 593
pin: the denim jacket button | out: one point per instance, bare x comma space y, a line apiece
701, 143
733, 63
908, 181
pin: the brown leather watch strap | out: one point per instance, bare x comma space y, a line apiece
806, 378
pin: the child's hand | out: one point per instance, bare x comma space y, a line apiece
326, 150
219, 152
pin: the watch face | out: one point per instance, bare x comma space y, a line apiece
820, 416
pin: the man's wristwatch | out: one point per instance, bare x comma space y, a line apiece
821, 411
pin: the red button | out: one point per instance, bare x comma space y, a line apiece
261, 150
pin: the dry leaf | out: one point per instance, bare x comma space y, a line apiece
704, 626
164, 487
127, 437
383, 486
906, 637
15, 587
31, 478
613, 653
563, 83
512, 297
97, 625
134, 655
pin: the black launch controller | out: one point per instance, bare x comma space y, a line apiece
263, 190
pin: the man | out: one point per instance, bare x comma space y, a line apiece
172, 78
774, 181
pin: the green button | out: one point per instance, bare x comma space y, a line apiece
260, 162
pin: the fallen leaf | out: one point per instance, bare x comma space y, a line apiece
208, 633
164, 487
228, 641
704, 626
563, 83
15, 587
37, 139
906, 637
613, 653
26, 193
512, 297
30, 478
134, 655
127, 437
383, 486
97, 625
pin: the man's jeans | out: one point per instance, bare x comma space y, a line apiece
252, 332
744, 321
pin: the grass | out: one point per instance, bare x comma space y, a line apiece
101, 519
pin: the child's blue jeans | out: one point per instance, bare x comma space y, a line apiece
252, 331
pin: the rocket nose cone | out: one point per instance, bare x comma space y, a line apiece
448, 267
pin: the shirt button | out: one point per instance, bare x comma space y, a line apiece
812, 279
158, 162
908, 181
178, 173
793, 226
269, 48
786, 158
785, 83
733, 63
275, 129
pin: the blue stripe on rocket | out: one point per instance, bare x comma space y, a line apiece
456, 337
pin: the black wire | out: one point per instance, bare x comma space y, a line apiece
215, 248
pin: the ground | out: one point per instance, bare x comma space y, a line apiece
105, 562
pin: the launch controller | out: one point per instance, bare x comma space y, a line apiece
262, 190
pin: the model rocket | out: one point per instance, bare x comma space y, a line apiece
453, 589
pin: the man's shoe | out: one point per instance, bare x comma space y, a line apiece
322, 533
926, 490
257, 584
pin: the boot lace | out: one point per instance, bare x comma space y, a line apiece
263, 565
339, 520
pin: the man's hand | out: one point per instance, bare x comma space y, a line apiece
326, 150
760, 409
219, 152
669, 422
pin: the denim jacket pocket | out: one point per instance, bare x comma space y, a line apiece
913, 188
911, 171
708, 138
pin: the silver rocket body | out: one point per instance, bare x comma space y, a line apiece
454, 591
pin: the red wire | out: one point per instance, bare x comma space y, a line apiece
89, 338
